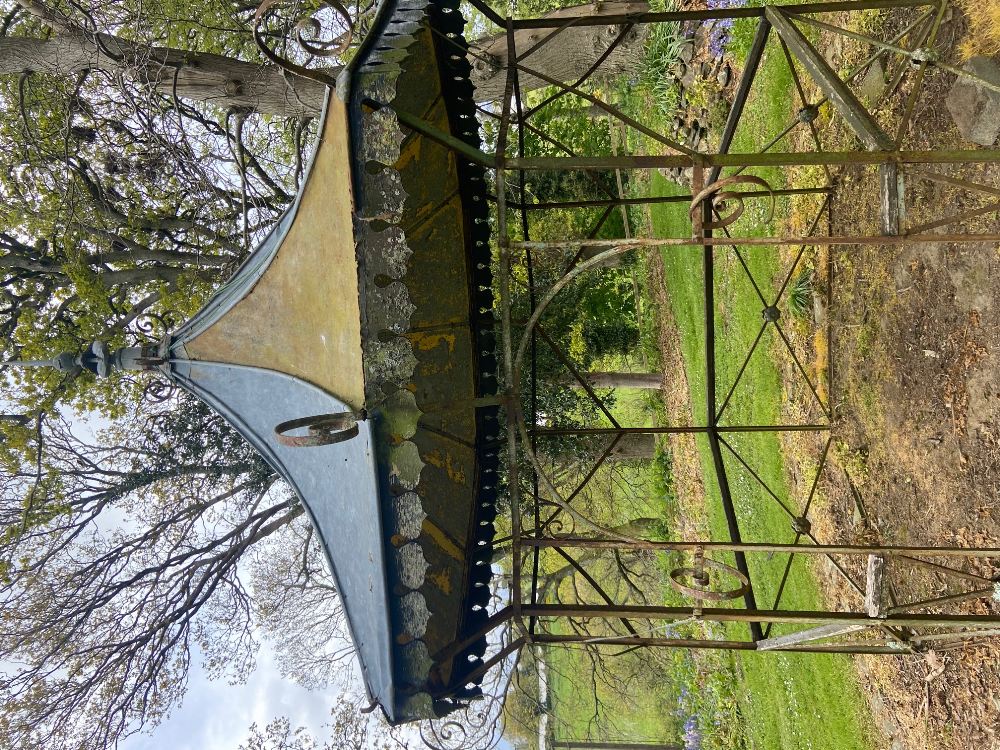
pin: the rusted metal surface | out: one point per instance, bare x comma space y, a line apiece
972, 213
727, 205
842, 98
805, 636
945, 569
442, 137
725, 645
623, 246
759, 159
954, 181
496, 620
765, 547
716, 208
510, 377
655, 200
807, 112
608, 745
406, 247
680, 430
158, 391
726, 13
785, 616
323, 429
754, 56
487, 10
701, 579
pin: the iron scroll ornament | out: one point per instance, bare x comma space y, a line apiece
323, 429
699, 588
728, 205
480, 725
152, 327
306, 33
158, 391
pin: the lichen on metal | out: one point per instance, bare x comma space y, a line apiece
302, 314
424, 335
354, 348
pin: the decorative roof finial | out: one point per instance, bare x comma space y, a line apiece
97, 358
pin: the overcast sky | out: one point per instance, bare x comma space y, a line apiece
216, 715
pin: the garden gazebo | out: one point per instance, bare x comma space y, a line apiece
367, 320
354, 350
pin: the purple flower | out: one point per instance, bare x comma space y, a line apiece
692, 736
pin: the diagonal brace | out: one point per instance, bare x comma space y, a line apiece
842, 98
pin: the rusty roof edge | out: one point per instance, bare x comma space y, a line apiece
380, 198
376, 136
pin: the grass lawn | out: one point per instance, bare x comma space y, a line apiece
638, 699
787, 701
783, 701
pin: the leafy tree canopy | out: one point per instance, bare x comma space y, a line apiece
128, 194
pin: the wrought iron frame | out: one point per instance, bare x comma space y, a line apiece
898, 627
884, 151
891, 627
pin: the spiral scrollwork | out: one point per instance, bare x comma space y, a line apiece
313, 36
557, 527
480, 722
697, 582
561, 525
158, 391
728, 205
479, 726
154, 326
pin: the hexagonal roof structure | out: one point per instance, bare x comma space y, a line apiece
370, 299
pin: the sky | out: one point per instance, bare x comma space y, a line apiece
216, 715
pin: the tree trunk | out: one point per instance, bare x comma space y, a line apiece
645, 380
634, 446
566, 57
199, 76
230, 83
590, 251
631, 447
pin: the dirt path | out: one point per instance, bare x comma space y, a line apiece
916, 359
918, 356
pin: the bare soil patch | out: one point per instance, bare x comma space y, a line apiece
916, 361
